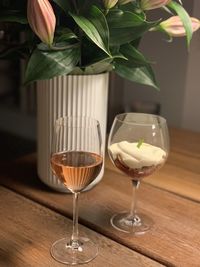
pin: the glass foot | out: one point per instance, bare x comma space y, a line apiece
84, 251
137, 225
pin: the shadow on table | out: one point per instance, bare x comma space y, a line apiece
13, 147
23, 173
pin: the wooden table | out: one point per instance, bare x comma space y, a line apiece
33, 216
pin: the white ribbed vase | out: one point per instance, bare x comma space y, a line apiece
63, 96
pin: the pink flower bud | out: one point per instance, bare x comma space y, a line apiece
153, 4
42, 19
174, 26
123, 2
109, 3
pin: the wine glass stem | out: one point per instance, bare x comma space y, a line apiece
133, 211
74, 238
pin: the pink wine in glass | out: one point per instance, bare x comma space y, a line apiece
76, 169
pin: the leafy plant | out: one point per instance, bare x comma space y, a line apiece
90, 37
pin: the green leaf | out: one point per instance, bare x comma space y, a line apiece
77, 71
102, 65
135, 58
47, 64
140, 142
126, 27
99, 67
136, 42
95, 27
64, 34
64, 5
185, 18
143, 75
167, 10
99, 21
123, 19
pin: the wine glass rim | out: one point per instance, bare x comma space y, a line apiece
59, 121
161, 120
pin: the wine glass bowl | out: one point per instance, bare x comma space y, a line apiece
138, 146
76, 160
76, 169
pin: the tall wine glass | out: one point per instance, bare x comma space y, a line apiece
138, 145
76, 160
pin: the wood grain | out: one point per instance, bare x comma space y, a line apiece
181, 173
185, 142
28, 230
173, 241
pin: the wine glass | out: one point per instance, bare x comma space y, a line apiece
76, 160
138, 145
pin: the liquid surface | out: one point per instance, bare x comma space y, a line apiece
76, 169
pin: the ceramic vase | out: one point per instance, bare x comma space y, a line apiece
70, 95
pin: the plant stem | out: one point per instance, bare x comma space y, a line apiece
76, 6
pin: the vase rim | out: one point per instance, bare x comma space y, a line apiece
92, 74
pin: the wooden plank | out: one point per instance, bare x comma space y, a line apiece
28, 230
175, 238
185, 142
179, 179
181, 173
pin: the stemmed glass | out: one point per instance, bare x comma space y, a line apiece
138, 145
76, 160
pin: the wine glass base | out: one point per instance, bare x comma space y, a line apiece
62, 251
138, 225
